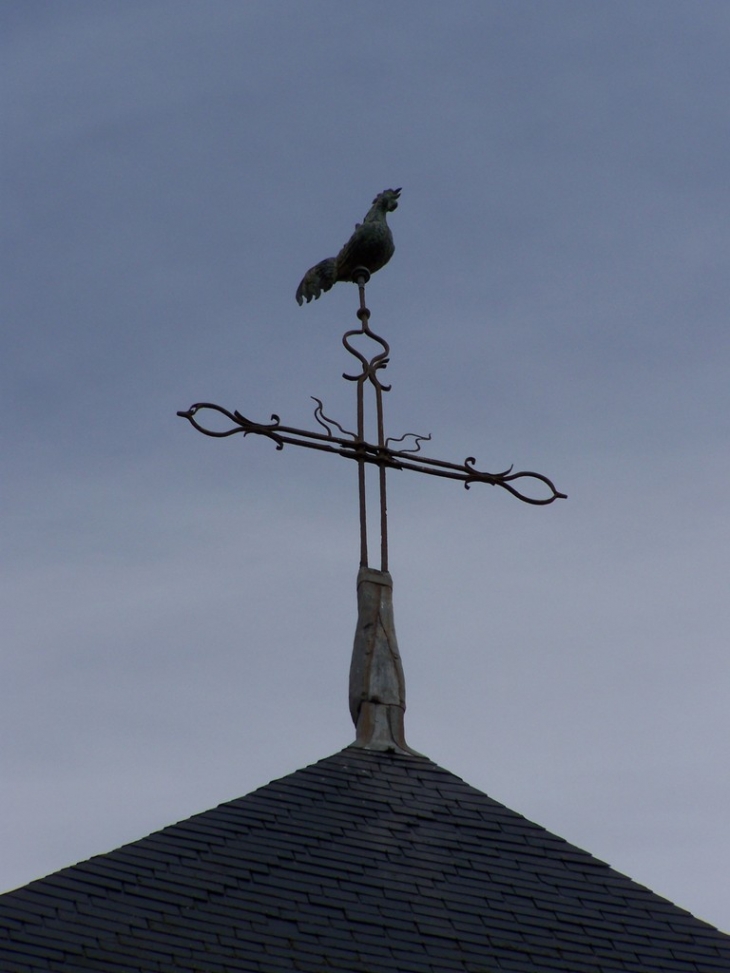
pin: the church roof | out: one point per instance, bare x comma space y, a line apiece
365, 862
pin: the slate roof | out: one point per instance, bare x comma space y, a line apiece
366, 862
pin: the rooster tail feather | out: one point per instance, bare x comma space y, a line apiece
317, 279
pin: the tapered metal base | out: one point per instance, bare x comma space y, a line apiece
377, 683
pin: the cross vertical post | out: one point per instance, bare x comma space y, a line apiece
369, 373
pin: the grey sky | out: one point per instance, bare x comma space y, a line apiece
179, 611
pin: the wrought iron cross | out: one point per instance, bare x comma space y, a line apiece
353, 445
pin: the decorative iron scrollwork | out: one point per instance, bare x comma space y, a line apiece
353, 445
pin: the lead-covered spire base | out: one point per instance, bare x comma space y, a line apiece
377, 683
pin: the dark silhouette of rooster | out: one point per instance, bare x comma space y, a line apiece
370, 246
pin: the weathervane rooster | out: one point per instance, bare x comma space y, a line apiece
370, 246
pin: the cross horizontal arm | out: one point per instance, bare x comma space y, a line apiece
352, 448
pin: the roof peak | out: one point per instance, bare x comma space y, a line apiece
362, 861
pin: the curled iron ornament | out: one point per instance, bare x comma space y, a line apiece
370, 366
415, 436
326, 422
242, 424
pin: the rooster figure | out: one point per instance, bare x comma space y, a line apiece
370, 246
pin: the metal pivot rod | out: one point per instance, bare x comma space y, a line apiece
355, 446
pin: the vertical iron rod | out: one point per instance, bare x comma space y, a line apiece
369, 372
381, 472
361, 439
361, 479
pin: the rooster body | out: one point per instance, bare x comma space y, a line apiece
370, 246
